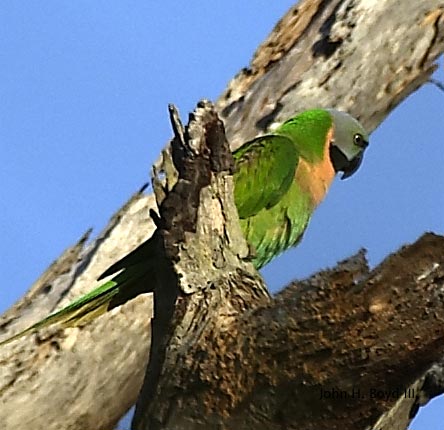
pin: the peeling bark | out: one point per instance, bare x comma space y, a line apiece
335, 351
361, 56
208, 285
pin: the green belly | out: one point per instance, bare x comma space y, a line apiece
272, 231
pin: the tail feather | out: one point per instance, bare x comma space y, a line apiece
76, 313
135, 275
143, 254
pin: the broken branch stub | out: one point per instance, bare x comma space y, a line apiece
226, 354
207, 282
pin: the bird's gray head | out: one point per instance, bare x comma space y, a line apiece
348, 144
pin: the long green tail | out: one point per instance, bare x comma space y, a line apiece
90, 305
136, 277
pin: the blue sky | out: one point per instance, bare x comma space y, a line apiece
84, 88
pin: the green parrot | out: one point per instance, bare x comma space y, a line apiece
279, 180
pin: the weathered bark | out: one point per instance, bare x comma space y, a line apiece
228, 356
57, 379
208, 285
361, 56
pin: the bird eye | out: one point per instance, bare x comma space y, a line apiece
359, 140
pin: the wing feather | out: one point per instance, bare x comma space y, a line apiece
265, 169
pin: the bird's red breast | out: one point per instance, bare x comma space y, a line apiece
316, 178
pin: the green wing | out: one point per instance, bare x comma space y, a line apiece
265, 169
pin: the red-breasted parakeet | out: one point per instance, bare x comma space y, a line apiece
279, 180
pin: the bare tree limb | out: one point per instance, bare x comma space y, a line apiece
335, 351
359, 56
209, 283
365, 57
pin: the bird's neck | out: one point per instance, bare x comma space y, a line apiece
315, 178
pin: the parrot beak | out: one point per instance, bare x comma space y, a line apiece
342, 164
352, 166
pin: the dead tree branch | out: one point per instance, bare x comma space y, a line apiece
335, 351
365, 57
